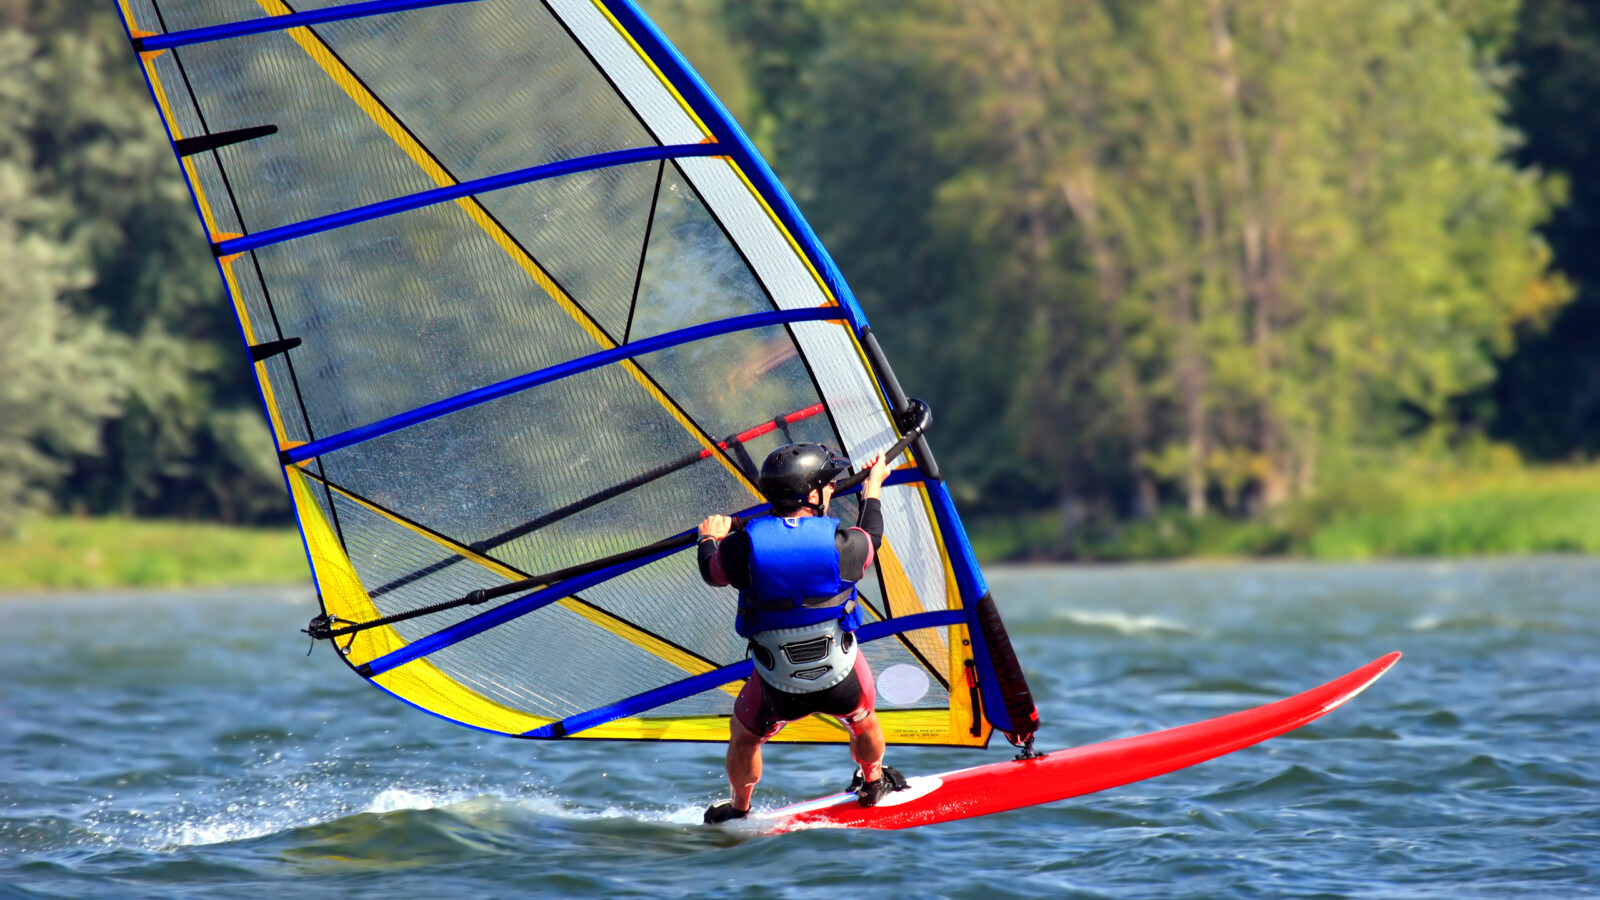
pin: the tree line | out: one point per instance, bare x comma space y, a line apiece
1202, 254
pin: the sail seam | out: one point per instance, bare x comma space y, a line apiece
761, 282
741, 151
617, 89
644, 251
766, 291
207, 215
772, 299
690, 89
266, 293
666, 82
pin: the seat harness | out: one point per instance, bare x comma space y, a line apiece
796, 608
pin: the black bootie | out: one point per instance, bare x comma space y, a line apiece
723, 811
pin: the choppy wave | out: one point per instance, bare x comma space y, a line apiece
223, 763
309, 810
256, 814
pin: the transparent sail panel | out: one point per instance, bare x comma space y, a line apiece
408, 313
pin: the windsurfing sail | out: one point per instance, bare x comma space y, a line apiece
524, 304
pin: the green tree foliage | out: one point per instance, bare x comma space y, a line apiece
61, 373
1135, 252
185, 435
1201, 247
1548, 395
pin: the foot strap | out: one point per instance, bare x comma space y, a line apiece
868, 793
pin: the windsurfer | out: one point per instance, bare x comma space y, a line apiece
796, 572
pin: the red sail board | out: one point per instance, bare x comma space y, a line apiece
1014, 784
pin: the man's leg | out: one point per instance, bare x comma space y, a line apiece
750, 719
866, 736
866, 747
744, 761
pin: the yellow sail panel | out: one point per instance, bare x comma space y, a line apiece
903, 601
342, 593
344, 596
899, 727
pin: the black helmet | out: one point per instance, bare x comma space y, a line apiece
793, 471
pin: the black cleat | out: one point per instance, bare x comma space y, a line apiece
870, 792
723, 811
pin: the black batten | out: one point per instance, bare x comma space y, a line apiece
268, 350
189, 146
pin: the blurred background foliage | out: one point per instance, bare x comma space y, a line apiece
124, 389
1179, 276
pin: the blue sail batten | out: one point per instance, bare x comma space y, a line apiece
506, 612
697, 684
648, 700
269, 24
435, 196
553, 373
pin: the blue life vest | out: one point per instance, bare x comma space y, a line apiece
794, 577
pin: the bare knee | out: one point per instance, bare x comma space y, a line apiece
866, 732
742, 739
867, 745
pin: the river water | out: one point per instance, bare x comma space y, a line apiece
184, 746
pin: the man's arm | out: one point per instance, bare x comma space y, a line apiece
724, 558
859, 545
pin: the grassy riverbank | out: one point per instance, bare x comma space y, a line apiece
1411, 511
60, 553
1415, 510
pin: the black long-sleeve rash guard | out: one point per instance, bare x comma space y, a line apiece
727, 562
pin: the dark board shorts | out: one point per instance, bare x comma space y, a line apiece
765, 710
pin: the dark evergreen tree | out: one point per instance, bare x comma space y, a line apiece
1548, 393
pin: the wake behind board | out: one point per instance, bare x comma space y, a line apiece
1013, 784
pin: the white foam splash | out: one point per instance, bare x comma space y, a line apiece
1122, 623
217, 829
395, 799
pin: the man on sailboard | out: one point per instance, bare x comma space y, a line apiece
796, 572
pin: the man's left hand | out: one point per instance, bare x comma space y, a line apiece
716, 527
877, 471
